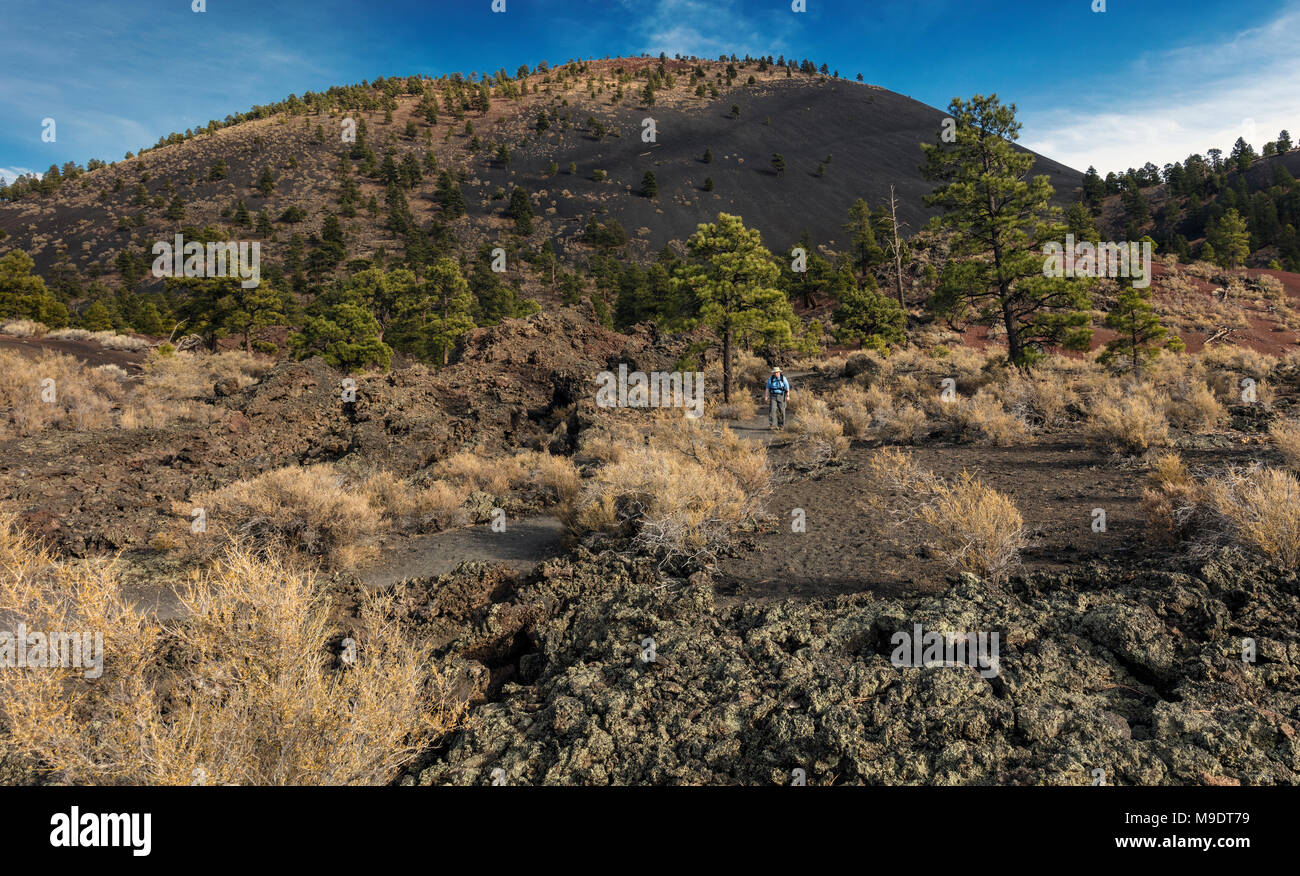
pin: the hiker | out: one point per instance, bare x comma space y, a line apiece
775, 393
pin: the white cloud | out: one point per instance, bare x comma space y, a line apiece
9, 174
706, 28
1192, 99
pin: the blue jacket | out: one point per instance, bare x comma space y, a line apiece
778, 385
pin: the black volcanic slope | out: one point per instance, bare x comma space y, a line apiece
873, 137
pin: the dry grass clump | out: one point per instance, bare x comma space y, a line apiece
851, 406
741, 408
971, 525
1286, 438
818, 433
322, 512
983, 420
1042, 399
1193, 406
106, 397
499, 476
1227, 364
894, 419
191, 375
1128, 420
23, 328
1270, 287
1255, 507
681, 495
109, 339
309, 509
248, 689
78, 397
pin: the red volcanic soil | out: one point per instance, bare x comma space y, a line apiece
1264, 334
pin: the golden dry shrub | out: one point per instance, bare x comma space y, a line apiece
23, 328
741, 408
1171, 504
971, 525
893, 419
1042, 398
434, 505
1255, 507
818, 434
1285, 434
1130, 419
311, 509
982, 419
191, 375
251, 686
1262, 508
501, 475
850, 405
55, 390
751, 371
556, 474
681, 493
1193, 406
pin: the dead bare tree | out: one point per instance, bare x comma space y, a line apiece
895, 245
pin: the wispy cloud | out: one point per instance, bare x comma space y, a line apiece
1184, 100
708, 28
9, 174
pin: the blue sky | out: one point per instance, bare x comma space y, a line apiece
1144, 80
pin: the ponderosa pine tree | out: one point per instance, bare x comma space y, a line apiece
521, 210
1001, 221
864, 252
1139, 334
734, 281
1229, 239
342, 331
23, 295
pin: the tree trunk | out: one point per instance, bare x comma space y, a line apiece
898, 248
726, 363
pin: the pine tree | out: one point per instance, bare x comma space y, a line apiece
266, 182
23, 294
521, 210
451, 305
343, 332
866, 316
1229, 239
649, 185
733, 284
1001, 222
778, 163
864, 252
176, 209
1138, 329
